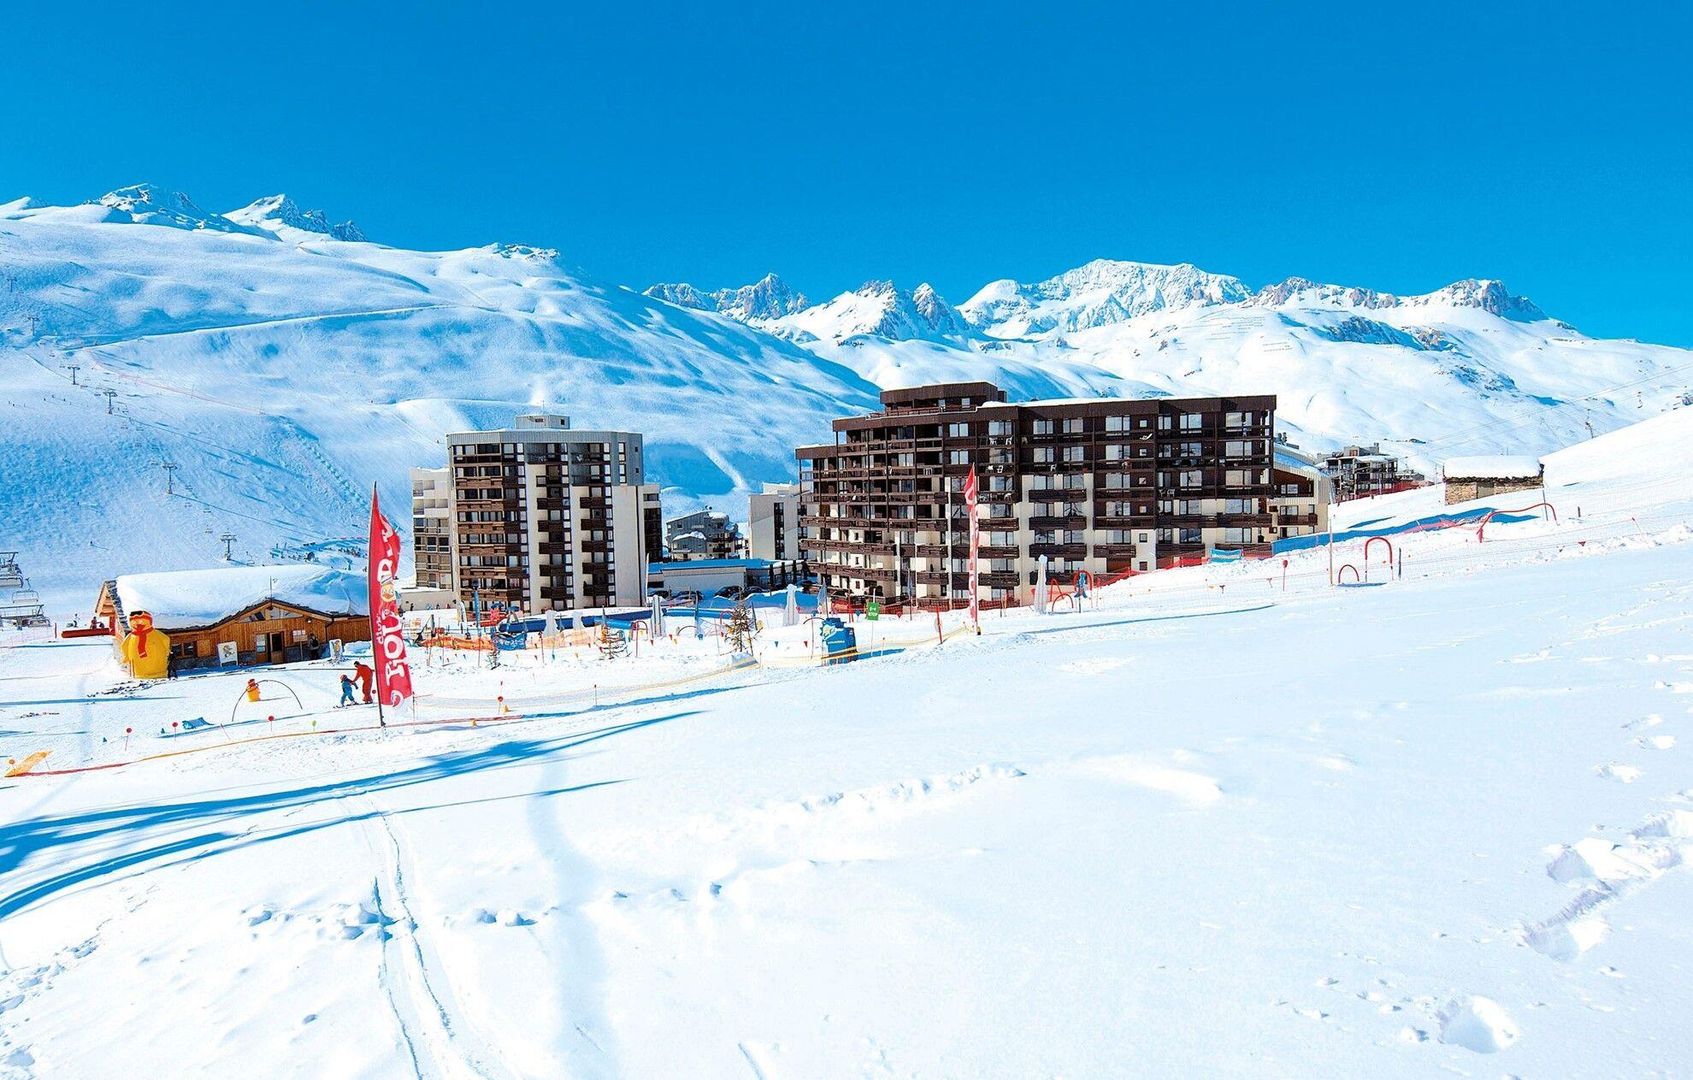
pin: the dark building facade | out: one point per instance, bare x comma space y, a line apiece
1103, 485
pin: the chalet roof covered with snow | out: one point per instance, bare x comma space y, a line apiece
185, 599
1514, 467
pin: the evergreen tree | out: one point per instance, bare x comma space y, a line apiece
742, 629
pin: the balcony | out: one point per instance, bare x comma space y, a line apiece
1058, 551
1065, 521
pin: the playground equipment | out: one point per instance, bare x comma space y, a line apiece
255, 684
1489, 516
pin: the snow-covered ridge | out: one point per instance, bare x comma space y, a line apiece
767, 299
885, 310
1103, 292
275, 212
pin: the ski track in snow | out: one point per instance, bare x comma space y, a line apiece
439, 1040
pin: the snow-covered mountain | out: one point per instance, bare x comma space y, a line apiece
1467, 368
1100, 293
880, 309
283, 370
277, 213
766, 300
283, 363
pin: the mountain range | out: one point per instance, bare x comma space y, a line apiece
284, 362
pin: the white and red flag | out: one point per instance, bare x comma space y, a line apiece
387, 634
970, 492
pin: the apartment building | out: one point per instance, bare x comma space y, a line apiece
773, 523
432, 528
703, 534
1303, 494
548, 518
1103, 485
1361, 471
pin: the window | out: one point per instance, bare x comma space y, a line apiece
1192, 421
1235, 421
1188, 536
1042, 427
999, 427
1043, 455
1073, 425
1075, 453
958, 457
1116, 423
1241, 448
1115, 451
1190, 478
958, 431
1237, 536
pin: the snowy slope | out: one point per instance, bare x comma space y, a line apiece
1440, 826
285, 370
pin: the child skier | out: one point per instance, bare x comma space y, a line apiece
346, 691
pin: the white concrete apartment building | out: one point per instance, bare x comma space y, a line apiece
548, 518
1303, 494
432, 528
773, 523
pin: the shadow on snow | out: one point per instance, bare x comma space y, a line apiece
60, 838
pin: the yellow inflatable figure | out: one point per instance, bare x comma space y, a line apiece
146, 651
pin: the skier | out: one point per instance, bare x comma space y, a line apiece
346, 691
366, 675
170, 665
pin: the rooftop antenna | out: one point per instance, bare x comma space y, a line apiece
228, 541
73, 369
170, 468
109, 394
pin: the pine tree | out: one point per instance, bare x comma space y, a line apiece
742, 629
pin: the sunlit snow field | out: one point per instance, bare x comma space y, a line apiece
1212, 825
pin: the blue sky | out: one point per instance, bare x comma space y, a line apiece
1545, 144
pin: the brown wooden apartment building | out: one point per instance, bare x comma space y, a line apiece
1100, 484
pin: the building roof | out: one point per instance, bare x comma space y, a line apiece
188, 599
1510, 467
1291, 460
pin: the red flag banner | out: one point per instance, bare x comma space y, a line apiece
970, 493
387, 635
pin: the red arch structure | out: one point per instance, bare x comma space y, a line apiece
1483, 526
1341, 573
1384, 540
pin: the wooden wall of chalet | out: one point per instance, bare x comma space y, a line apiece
253, 637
